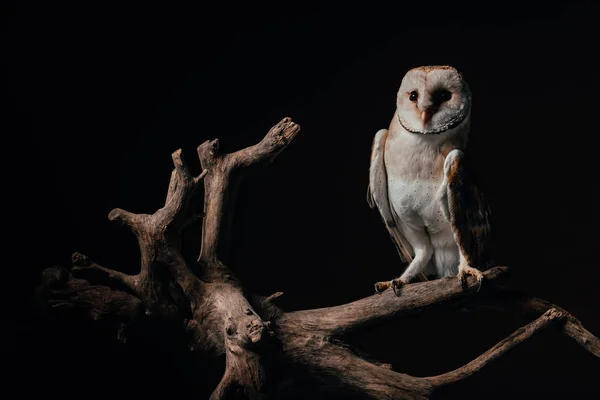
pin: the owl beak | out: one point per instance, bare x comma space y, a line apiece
426, 116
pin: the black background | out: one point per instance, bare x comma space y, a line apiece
99, 94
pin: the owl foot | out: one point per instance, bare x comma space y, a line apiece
381, 286
396, 285
466, 270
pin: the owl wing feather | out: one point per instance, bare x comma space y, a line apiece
468, 213
377, 195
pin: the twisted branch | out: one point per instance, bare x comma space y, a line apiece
520, 335
516, 302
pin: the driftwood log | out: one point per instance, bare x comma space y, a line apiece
208, 302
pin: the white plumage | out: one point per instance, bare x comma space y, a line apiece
418, 181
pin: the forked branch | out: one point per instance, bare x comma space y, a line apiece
322, 328
516, 302
220, 190
520, 335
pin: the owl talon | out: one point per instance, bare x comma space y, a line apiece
381, 286
466, 270
376, 288
396, 285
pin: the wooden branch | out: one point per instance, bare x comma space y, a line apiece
182, 187
132, 221
62, 292
259, 338
520, 335
335, 371
377, 308
244, 376
220, 188
245, 334
272, 144
310, 338
513, 301
574, 329
165, 285
245, 330
309, 343
83, 267
158, 239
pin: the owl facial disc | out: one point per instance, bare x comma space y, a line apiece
432, 100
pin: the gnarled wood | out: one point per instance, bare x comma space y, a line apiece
377, 308
516, 302
220, 189
519, 336
256, 336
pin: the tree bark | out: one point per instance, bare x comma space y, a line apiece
256, 336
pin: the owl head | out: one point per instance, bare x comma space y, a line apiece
433, 100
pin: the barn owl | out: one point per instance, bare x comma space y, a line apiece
419, 182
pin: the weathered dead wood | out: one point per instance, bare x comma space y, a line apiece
65, 292
256, 336
516, 302
519, 336
375, 309
244, 329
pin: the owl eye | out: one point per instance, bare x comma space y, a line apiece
444, 95
413, 95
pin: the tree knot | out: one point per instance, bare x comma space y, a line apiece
80, 260
246, 333
554, 315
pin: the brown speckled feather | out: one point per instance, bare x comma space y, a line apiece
470, 215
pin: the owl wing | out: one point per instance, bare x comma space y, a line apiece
467, 211
377, 195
